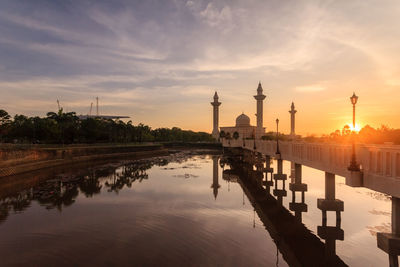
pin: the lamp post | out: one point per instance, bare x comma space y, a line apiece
277, 137
353, 100
254, 136
353, 164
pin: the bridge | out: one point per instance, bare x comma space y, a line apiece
380, 164
380, 171
376, 167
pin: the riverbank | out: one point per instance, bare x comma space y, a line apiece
18, 159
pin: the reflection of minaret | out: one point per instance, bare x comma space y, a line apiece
297, 186
390, 242
330, 203
280, 193
260, 98
292, 112
215, 104
215, 184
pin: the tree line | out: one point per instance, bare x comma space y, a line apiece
367, 135
66, 128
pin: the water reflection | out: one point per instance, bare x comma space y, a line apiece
295, 186
298, 245
286, 219
390, 242
215, 185
60, 192
280, 181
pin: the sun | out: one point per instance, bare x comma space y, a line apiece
357, 128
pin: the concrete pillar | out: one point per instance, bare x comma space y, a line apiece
280, 176
292, 174
280, 164
297, 186
330, 233
396, 216
329, 186
330, 203
298, 173
268, 169
215, 104
390, 242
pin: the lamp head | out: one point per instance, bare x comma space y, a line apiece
354, 99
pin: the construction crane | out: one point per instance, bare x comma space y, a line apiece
58, 104
91, 106
98, 116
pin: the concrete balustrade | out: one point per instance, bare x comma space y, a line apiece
380, 164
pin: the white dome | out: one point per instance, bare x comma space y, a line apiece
242, 120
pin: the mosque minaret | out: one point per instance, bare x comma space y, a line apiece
292, 112
260, 98
215, 104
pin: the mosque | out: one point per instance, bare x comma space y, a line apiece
243, 129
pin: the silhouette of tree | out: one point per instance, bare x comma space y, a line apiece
66, 128
346, 131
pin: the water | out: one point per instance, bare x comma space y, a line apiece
170, 211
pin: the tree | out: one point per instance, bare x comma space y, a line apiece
346, 131
4, 123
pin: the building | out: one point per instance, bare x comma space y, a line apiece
242, 129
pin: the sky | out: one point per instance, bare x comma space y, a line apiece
160, 62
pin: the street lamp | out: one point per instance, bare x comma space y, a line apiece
277, 137
353, 100
254, 136
353, 164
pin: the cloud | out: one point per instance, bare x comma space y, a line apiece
165, 54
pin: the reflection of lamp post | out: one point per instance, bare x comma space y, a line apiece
353, 164
277, 137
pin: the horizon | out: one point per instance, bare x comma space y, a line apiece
160, 62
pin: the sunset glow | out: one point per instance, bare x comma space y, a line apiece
357, 127
155, 68
199, 133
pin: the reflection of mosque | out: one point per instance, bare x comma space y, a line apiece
297, 244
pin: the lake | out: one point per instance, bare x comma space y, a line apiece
186, 209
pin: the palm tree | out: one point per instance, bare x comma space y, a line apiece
67, 124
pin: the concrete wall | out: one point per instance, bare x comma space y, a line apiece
20, 160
